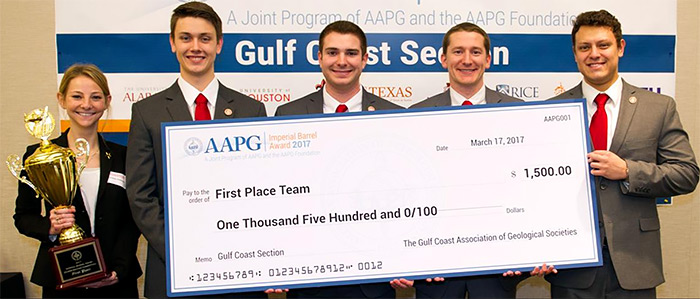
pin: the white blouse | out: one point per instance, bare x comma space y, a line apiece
89, 184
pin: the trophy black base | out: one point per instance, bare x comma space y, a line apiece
78, 263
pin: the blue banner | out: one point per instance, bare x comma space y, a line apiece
389, 52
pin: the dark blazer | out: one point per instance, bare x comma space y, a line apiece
313, 104
144, 171
114, 226
483, 286
650, 138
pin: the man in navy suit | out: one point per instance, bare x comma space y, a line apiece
342, 56
196, 38
641, 152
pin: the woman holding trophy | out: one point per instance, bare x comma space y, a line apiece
100, 206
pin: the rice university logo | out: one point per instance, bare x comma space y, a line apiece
522, 92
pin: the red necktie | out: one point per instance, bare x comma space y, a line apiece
201, 111
467, 103
599, 124
341, 108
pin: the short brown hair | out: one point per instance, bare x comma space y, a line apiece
468, 27
344, 27
601, 18
196, 9
88, 70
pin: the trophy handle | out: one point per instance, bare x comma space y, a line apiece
14, 163
83, 148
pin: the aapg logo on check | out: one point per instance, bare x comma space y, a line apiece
193, 146
231, 144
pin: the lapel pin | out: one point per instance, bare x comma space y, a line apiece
109, 156
633, 100
371, 108
228, 111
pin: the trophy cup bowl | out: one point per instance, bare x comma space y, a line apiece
53, 172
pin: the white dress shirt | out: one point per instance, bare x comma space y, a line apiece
89, 184
190, 93
479, 98
330, 103
612, 106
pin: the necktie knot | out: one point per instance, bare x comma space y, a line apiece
201, 110
601, 99
201, 99
467, 103
341, 108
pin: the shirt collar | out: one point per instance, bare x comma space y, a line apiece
478, 98
614, 92
330, 103
190, 92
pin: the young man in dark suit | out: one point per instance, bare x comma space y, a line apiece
196, 38
466, 56
342, 56
641, 152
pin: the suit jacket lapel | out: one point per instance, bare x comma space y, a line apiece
314, 104
576, 92
624, 117
224, 100
493, 97
175, 104
443, 99
366, 100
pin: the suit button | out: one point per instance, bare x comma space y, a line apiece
99, 218
603, 186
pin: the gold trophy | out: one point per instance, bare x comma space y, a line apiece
54, 174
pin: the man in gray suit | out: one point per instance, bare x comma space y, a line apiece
195, 38
641, 152
342, 56
466, 56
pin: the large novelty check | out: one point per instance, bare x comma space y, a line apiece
367, 197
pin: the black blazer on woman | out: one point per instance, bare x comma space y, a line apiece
114, 226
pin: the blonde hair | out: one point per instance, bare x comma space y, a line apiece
88, 70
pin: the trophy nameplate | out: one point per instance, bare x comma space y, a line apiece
78, 263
